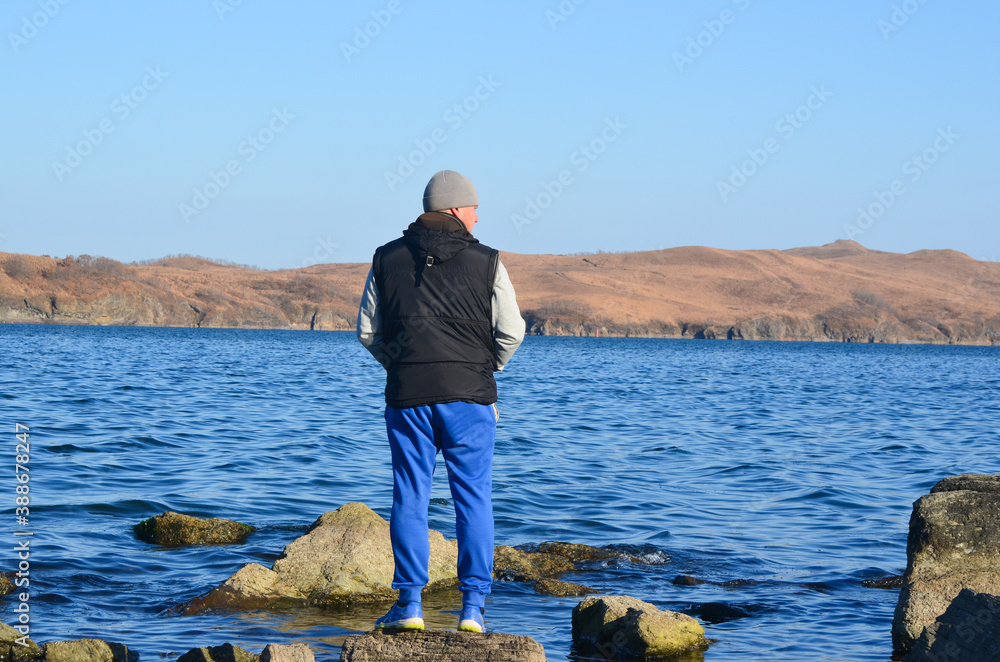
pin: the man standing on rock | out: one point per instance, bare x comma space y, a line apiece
439, 313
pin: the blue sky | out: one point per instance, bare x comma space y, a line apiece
284, 134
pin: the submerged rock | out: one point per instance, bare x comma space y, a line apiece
6, 586
559, 589
576, 552
175, 529
345, 558
968, 630
441, 645
953, 543
88, 650
224, 653
891, 582
622, 627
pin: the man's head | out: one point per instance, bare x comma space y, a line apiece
452, 193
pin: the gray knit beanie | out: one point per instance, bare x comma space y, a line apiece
449, 189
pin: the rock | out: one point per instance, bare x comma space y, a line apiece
174, 529
224, 653
6, 586
576, 552
891, 582
345, 558
622, 627
953, 543
441, 646
687, 580
968, 630
88, 650
559, 589
10, 650
511, 564
287, 653
723, 612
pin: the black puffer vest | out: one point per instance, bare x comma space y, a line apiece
435, 298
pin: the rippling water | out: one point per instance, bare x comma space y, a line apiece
792, 466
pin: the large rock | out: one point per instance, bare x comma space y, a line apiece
174, 529
224, 653
345, 558
88, 650
622, 627
11, 649
287, 653
968, 630
441, 646
953, 543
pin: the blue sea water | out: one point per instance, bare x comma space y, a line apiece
791, 466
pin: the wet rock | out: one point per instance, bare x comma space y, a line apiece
891, 582
511, 564
559, 589
723, 612
12, 651
576, 552
441, 645
953, 543
88, 650
175, 529
345, 558
287, 653
968, 630
622, 627
224, 653
6, 586
687, 580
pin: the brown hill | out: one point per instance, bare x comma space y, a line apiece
840, 291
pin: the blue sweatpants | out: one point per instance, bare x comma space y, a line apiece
464, 433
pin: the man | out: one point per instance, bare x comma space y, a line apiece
440, 315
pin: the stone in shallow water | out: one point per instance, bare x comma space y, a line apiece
441, 646
345, 558
287, 653
953, 543
175, 529
511, 564
560, 589
224, 653
88, 650
622, 627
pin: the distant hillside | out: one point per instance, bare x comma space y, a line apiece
839, 292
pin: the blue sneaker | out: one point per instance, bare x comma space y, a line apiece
471, 619
410, 617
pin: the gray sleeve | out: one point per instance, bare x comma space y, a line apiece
369, 319
508, 327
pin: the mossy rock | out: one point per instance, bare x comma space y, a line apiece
224, 653
175, 529
511, 564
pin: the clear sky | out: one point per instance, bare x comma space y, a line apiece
282, 134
